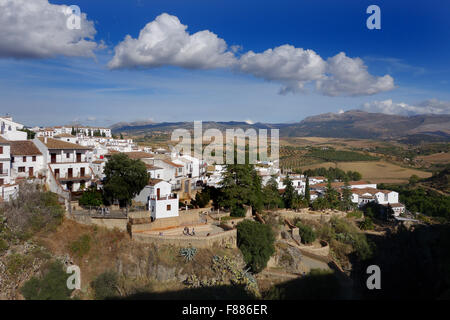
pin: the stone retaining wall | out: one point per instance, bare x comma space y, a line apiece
109, 223
223, 239
307, 215
185, 218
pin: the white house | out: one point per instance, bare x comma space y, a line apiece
26, 160
67, 137
362, 196
67, 163
7, 186
154, 171
158, 196
10, 130
316, 180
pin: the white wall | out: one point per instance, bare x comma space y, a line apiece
158, 208
38, 165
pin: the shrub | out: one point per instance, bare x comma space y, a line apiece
16, 263
307, 233
52, 286
355, 214
366, 224
347, 233
81, 246
237, 211
105, 285
202, 198
92, 197
3, 245
33, 211
256, 242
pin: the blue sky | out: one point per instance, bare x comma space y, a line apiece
58, 87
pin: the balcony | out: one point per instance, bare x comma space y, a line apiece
4, 172
165, 197
68, 177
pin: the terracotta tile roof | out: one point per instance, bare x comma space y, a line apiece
64, 135
152, 182
173, 164
139, 155
59, 144
152, 167
361, 191
397, 205
3, 141
24, 148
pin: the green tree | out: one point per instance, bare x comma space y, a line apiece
307, 234
124, 178
91, 197
366, 224
241, 186
74, 133
331, 196
271, 196
289, 194
121, 136
413, 179
52, 286
202, 198
307, 192
256, 242
30, 134
346, 201
356, 176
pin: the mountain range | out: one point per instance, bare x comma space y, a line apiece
350, 124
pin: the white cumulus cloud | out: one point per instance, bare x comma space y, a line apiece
431, 106
38, 29
291, 66
165, 41
349, 76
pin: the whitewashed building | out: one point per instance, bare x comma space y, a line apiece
7, 186
27, 160
67, 164
10, 130
160, 200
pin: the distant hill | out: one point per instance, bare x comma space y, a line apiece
350, 124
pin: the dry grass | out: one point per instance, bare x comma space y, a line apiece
436, 158
376, 171
109, 248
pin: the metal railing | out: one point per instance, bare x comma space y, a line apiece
4, 172
165, 197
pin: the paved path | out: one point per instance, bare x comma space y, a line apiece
311, 263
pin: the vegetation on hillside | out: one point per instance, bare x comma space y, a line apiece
50, 286
256, 242
334, 174
33, 210
331, 155
419, 199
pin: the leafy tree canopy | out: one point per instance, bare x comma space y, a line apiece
124, 178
